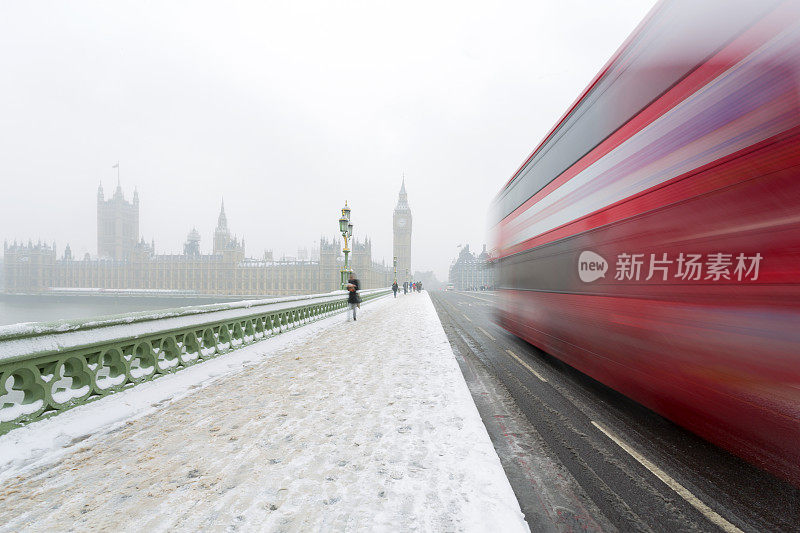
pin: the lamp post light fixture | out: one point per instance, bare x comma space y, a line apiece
346, 229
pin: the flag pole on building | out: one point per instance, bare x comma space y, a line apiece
116, 165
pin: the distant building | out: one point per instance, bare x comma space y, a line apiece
126, 263
428, 279
471, 272
28, 266
402, 235
117, 224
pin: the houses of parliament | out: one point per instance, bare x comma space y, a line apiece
125, 261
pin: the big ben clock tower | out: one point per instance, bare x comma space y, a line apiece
402, 235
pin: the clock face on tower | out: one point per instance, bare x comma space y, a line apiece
401, 222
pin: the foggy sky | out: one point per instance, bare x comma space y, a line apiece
286, 109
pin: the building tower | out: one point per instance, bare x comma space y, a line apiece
224, 244
191, 247
117, 224
221, 233
330, 264
402, 235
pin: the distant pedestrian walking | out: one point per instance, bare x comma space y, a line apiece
405, 287
353, 299
419, 286
394, 288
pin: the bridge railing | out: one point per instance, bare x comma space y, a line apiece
47, 368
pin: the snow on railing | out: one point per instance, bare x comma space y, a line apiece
47, 368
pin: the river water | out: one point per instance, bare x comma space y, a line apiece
40, 309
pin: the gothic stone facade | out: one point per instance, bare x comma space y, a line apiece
35, 268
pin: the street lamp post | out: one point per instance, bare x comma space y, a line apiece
346, 228
395, 269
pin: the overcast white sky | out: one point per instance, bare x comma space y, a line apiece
287, 109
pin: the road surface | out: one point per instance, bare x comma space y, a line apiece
583, 457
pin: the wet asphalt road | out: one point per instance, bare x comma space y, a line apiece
582, 457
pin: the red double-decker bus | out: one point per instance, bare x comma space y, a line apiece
652, 240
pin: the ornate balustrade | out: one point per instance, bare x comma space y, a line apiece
47, 368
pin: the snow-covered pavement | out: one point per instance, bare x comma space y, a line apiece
363, 425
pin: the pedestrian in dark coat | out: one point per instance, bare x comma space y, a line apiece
394, 288
353, 299
405, 287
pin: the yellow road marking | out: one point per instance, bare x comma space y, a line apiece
486, 333
671, 483
526, 365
